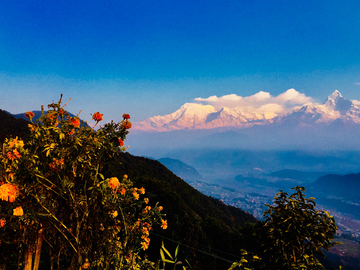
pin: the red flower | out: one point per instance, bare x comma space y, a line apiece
97, 116
126, 116
29, 115
121, 142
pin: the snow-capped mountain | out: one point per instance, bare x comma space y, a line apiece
198, 116
336, 108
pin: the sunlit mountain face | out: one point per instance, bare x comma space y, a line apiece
191, 116
273, 123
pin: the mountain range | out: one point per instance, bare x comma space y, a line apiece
336, 108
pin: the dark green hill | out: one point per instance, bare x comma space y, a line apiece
203, 225
10, 126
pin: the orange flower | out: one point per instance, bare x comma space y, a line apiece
75, 122
16, 153
121, 142
18, 211
164, 224
2, 223
126, 116
125, 176
123, 190
114, 214
61, 111
142, 190
136, 195
8, 192
29, 115
114, 183
144, 245
10, 156
146, 200
97, 116
147, 209
86, 264
126, 124
160, 208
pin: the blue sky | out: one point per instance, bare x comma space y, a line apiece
148, 58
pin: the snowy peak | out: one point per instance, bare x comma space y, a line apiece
336, 108
338, 103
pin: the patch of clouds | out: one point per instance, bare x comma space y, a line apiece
260, 102
357, 83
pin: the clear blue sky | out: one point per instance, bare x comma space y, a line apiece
148, 58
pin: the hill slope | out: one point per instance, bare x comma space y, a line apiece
200, 223
10, 126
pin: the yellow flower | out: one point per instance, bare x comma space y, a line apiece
18, 211
146, 200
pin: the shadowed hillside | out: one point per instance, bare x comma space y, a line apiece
10, 126
201, 223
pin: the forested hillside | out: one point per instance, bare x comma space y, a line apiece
203, 225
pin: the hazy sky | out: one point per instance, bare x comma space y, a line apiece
148, 58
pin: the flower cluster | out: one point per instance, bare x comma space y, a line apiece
145, 237
56, 165
13, 148
75, 122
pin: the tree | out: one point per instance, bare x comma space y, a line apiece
292, 235
52, 188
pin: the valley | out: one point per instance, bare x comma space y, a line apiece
254, 188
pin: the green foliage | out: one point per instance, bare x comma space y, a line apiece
166, 257
54, 187
292, 235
